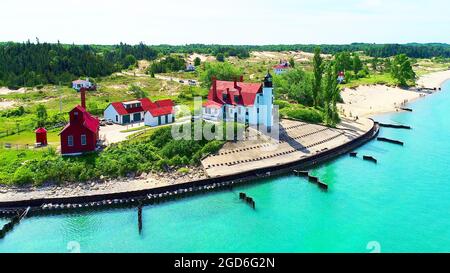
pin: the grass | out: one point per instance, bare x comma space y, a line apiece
372, 79
29, 137
134, 129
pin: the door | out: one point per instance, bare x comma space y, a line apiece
159, 120
137, 117
126, 119
167, 119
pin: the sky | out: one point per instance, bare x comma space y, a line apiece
225, 22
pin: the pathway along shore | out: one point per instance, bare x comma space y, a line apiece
169, 192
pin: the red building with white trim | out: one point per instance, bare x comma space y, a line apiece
152, 113
81, 134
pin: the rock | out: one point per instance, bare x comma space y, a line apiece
92, 184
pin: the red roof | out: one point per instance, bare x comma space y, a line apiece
281, 66
237, 93
80, 81
41, 130
89, 121
157, 108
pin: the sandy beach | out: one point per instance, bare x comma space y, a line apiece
433, 80
368, 100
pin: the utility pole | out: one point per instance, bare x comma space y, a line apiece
60, 97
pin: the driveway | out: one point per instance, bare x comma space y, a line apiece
112, 133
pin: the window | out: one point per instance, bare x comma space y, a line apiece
70, 141
239, 110
117, 118
224, 96
236, 99
83, 140
75, 114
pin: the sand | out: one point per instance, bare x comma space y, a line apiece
368, 100
6, 91
433, 80
6, 104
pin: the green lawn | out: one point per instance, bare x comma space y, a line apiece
372, 79
29, 137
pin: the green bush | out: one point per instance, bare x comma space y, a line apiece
281, 104
22, 176
307, 114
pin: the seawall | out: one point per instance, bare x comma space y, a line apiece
156, 195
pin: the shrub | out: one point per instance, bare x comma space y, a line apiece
302, 113
281, 104
22, 176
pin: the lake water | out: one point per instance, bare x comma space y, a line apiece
401, 204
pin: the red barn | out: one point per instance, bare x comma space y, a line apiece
81, 133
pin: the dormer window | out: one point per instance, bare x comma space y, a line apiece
236, 99
75, 115
224, 96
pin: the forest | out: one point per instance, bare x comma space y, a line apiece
33, 64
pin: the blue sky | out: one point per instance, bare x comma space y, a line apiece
226, 21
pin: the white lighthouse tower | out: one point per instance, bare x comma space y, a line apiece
267, 103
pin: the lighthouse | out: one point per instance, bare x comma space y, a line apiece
268, 101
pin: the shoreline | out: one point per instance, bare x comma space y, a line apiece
149, 182
371, 100
169, 192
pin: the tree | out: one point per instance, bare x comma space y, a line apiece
331, 96
357, 65
222, 71
292, 62
220, 57
137, 92
318, 72
296, 84
197, 61
41, 115
343, 61
401, 70
374, 63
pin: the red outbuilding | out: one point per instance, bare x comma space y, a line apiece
81, 133
41, 136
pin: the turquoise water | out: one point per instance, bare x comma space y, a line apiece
403, 203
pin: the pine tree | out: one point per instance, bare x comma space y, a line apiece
318, 72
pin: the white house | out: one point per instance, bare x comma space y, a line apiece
250, 103
159, 112
78, 84
162, 114
190, 67
282, 67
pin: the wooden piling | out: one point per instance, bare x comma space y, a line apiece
390, 140
370, 158
140, 219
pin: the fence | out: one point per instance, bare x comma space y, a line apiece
12, 146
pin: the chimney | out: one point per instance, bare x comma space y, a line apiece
83, 97
241, 79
